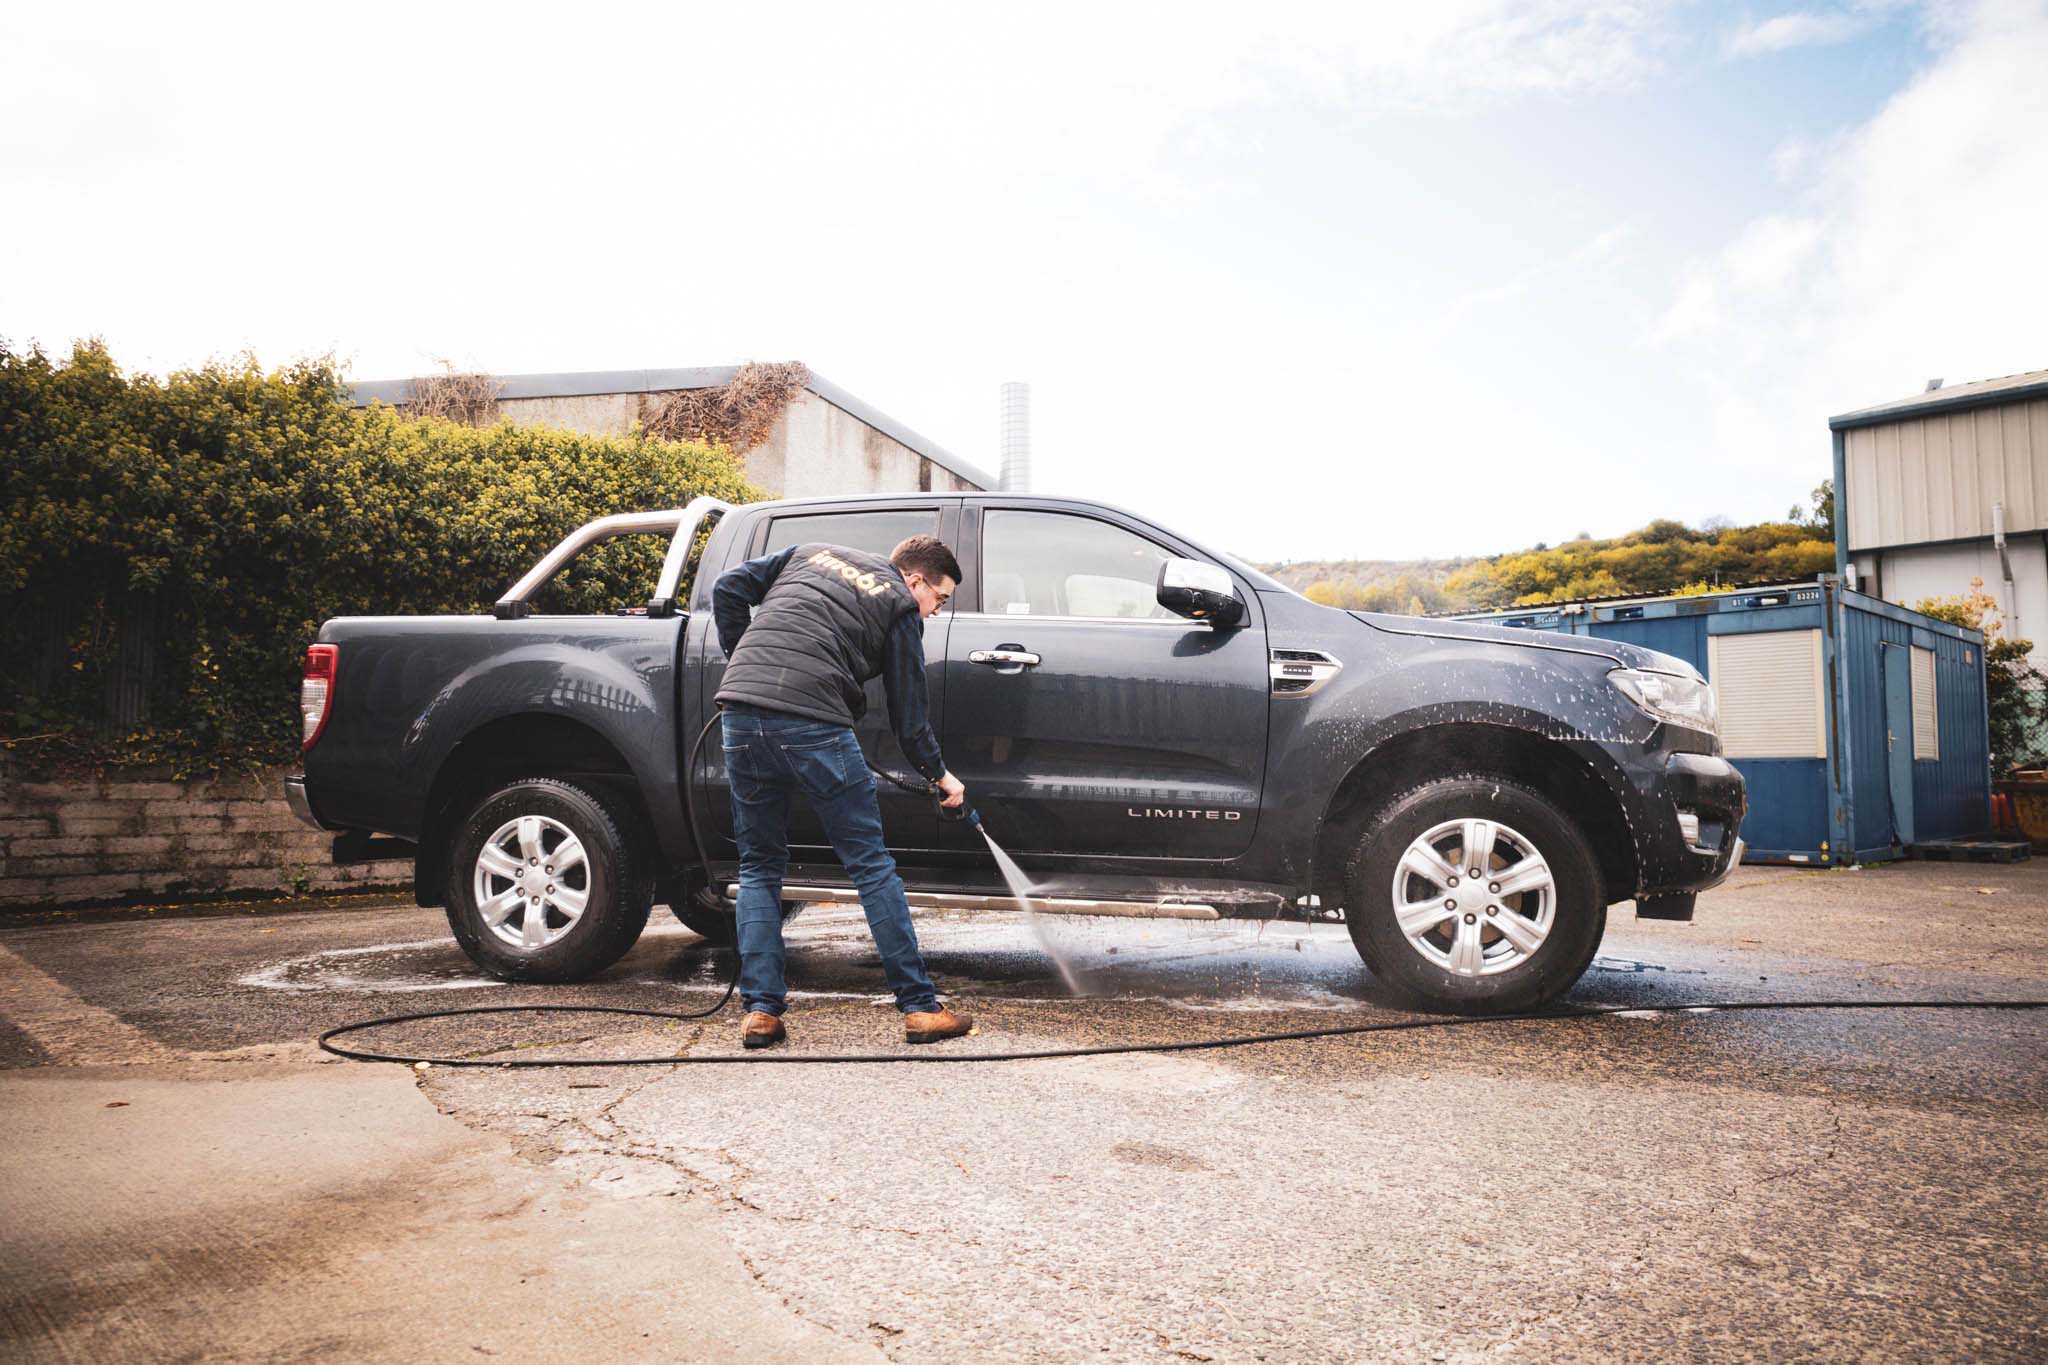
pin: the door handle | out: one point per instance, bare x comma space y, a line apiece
1008, 656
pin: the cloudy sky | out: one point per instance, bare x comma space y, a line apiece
1304, 280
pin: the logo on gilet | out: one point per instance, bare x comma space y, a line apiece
860, 578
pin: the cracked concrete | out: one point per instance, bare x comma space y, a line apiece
287, 1213
1091, 1196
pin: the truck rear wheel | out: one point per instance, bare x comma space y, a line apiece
1473, 895
546, 883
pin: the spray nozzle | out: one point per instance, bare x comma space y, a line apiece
962, 811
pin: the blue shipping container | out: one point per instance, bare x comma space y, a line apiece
1901, 748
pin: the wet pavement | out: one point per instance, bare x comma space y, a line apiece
1667, 1181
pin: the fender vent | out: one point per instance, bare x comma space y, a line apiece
1298, 672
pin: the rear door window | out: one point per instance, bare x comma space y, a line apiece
878, 531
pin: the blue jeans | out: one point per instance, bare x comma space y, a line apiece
769, 756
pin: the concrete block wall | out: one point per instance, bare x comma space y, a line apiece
814, 449
143, 836
817, 449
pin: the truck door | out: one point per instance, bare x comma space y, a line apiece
909, 821
1084, 717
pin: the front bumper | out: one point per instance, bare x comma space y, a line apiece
295, 797
1734, 861
1707, 786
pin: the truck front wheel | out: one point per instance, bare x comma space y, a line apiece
546, 883
1474, 895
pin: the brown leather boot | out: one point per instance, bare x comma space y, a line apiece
936, 1026
761, 1029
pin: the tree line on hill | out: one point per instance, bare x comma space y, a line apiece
1664, 557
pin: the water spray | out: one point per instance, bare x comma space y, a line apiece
1013, 877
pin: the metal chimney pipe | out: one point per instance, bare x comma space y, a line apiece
1016, 440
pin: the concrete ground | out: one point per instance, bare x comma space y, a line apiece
184, 1176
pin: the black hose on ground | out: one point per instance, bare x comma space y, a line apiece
1109, 1050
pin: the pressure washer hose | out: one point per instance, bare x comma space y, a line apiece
327, 1043
1111, 1050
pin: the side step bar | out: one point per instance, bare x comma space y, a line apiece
839, 895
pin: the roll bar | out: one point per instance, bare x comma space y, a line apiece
684, 524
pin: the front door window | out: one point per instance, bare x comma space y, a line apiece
1053, 564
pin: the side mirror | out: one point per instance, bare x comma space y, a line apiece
1201, 592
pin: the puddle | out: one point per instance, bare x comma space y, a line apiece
1216, 967
337, 969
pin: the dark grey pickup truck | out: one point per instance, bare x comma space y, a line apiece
1147, 726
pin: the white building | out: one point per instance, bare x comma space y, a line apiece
825, 442
1946, 486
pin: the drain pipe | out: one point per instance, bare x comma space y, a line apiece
2012, 599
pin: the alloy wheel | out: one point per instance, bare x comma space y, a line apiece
1474, 897
531, 882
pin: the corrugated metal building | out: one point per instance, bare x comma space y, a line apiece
1946, 486
1859, 725
825, 443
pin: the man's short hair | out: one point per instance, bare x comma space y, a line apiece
927, 555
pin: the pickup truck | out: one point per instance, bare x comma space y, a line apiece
1147, 726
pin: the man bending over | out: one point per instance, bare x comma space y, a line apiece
824, 620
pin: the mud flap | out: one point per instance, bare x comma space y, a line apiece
1678, 906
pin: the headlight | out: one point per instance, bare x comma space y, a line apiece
1670, 697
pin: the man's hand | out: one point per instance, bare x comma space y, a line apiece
954, 792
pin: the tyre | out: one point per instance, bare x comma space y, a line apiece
547, 883
712, 918
1514, 937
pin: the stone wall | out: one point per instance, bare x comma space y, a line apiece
140, 836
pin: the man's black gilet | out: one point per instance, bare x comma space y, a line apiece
817, 636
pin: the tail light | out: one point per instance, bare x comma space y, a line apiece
316, 691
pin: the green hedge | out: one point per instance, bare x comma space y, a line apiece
236, 508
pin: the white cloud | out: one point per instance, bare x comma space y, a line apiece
1913, 248
1790, 157
1752, 272
1596, 253
1800, 28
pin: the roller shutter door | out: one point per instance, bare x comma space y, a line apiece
1768, 687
